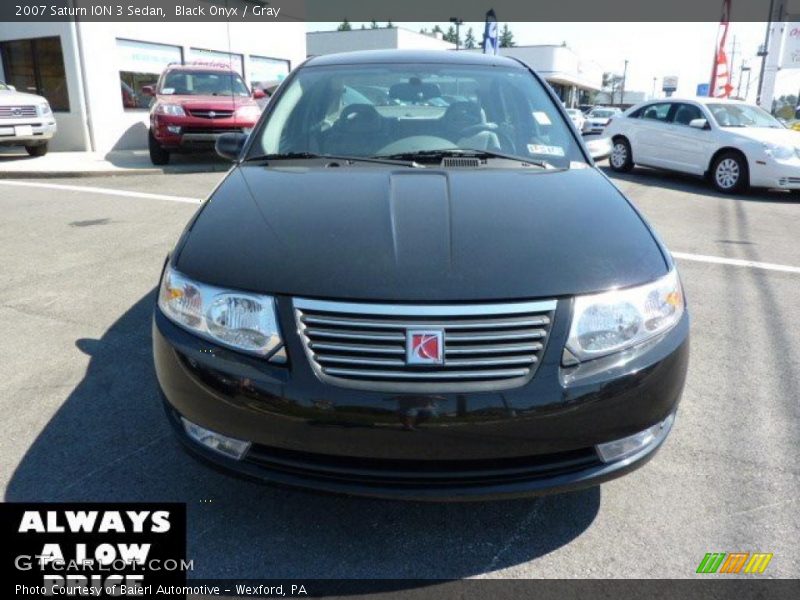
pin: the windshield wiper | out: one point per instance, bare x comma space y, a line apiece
461, 152
312, 155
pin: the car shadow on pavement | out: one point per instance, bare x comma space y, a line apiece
110, 441
681, 182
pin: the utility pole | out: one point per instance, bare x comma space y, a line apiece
458, 23
732, 64
624, 76
741, 73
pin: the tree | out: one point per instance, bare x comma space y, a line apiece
469, 39
424, 30
436, 29
389, 25
344, 26
506, 38
363, 26
451, 36
373, 25
611, 83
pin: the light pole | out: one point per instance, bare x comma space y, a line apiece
654, 86
458, 23
624, 77
763, 52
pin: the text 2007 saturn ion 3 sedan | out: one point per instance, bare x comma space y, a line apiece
414, 283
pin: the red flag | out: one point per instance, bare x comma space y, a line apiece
720, 73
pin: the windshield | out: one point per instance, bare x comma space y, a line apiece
742, 115
393, 109
603, 114
204, 83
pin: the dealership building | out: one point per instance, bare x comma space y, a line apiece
574, 79
92, 73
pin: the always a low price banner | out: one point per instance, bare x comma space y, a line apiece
90, 549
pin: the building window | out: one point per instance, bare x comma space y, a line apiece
234, 61
36, 66
264, 72
140, 64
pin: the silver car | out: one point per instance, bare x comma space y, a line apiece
25, 120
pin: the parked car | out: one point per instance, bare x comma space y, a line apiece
735, 144
25, 120
417, 301
194, 104
577, 118
599, 117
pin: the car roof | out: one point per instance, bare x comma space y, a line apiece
411, 56
697, 99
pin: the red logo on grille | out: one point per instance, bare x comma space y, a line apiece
424, 347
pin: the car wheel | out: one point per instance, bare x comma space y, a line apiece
37, 150
158, 156
621, 159
729, 173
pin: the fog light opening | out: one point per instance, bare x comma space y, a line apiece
174, 129
228, 446
628, 446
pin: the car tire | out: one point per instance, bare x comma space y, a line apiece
37, 150
158, 156
621, 159
729, 173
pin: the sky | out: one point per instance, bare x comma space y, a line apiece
652, 49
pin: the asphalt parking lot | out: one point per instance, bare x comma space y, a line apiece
83, 421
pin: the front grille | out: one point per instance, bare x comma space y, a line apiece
17, 112
485, 346
211, 114
428, 473
213, 130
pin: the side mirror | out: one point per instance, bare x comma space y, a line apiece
699, 124
147, 90
599, 148
258, 94
229, 145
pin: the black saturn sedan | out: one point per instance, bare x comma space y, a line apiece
414, 283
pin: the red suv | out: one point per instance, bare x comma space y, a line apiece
196, 103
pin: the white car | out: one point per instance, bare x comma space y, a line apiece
577, 118
25, 120
599, 117
734, 143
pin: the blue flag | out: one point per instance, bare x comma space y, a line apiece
490, 34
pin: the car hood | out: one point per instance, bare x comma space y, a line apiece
771, 135
7, 97
206, 102
375, 233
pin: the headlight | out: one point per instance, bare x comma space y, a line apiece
250, 111
175, 110
238, 320
613, 321
778, 151
45, 110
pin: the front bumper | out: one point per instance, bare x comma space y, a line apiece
770, 173
176, 133
538, 438
15, 132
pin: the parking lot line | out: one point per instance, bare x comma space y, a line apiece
100, 190
736, 262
